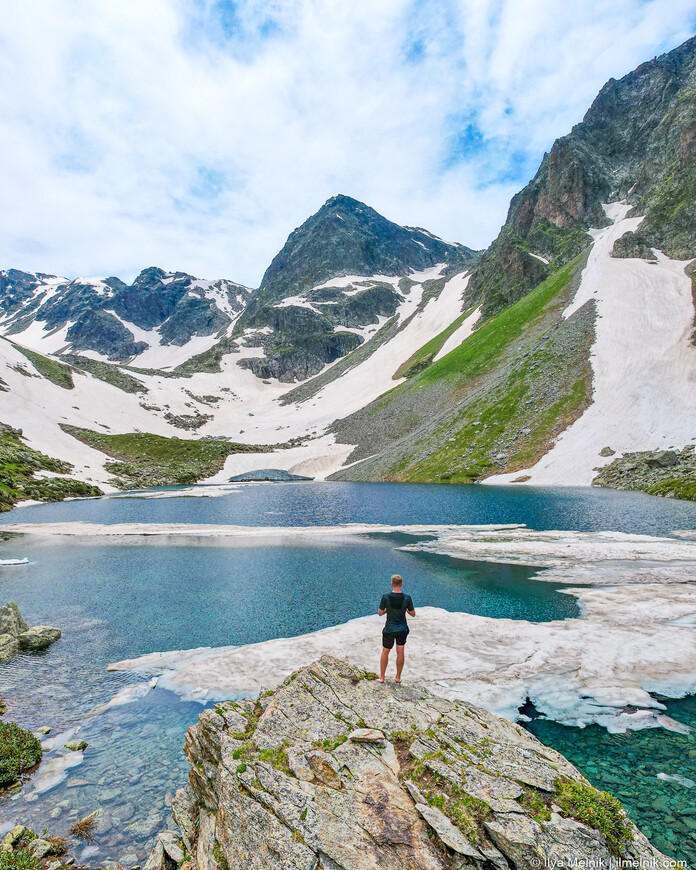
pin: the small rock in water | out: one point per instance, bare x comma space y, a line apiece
76, 745
56, 812
676, 777
43, 731
124, 812
38, 637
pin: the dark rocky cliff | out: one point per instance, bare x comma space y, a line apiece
636, 142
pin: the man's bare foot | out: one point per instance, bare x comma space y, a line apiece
397, 679
381, 679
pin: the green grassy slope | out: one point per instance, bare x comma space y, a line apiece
142, 459
18, 466
493, 404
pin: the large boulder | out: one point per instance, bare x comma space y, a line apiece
38, 637
291, 780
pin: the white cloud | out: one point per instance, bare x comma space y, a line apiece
195, 134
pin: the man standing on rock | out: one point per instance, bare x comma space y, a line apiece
396, 605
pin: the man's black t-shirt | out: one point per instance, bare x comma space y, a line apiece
396, 604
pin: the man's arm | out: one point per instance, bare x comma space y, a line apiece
381, 612
382, 606
412, 610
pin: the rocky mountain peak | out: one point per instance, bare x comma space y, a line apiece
348, 237
638, 142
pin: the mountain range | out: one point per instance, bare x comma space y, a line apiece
372, 351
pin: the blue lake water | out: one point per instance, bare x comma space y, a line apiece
582, 508
118, 600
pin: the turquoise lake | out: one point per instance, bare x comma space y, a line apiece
116, 600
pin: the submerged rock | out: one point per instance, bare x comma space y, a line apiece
340, 771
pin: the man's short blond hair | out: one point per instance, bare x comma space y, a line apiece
397, 579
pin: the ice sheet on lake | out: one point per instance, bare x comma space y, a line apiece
635, 635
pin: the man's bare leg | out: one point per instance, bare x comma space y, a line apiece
399, 662
383, 662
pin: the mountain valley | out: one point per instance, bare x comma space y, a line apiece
372, 351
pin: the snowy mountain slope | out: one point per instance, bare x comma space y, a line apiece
147, 323
568, 359
314, 314
232, 403
643, 361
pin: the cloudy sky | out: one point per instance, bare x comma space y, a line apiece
196, 134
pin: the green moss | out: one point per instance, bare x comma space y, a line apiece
675, 488
219, 856
20, 750
19, 464
597, 809
329, 745
144, 460
277, 758
56, 372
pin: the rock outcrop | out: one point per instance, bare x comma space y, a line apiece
633, 245
669, 473
16, 636
638, 142
334, 770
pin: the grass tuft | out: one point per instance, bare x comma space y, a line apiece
20, 750
85, 828
597, 809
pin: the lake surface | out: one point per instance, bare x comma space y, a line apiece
324, 504
117, 600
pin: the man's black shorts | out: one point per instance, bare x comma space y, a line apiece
388, 639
